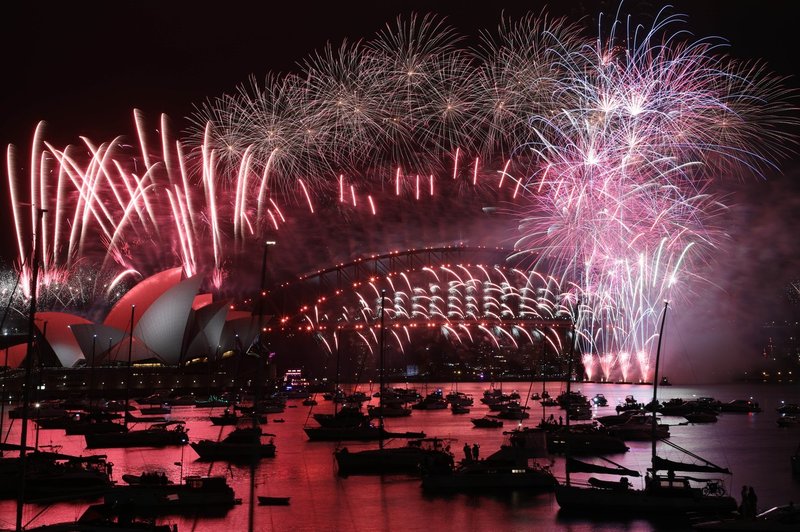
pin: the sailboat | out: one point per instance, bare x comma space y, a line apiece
390, 459
665, 494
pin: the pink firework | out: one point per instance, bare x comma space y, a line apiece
621, 201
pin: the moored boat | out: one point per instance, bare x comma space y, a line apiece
507, 469
700, 417
746, 406
242, 444
486, 422
264, 500
406, 459
156, 435
149, 478
210, 494
363, 432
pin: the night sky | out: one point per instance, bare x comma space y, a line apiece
84, 66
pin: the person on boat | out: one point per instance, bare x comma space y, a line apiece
475, 451
467, 452
743, 505
752, 503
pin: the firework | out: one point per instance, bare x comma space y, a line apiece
606, 152
622, 200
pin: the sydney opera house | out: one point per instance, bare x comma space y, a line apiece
162, 322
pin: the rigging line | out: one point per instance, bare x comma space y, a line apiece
688, 452
39, 514
611, 462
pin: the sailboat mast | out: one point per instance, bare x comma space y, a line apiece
569, 380
380, 374
655, 386
130, 371
26, 389
338, 364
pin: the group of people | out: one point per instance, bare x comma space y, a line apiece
471, 453
748, 508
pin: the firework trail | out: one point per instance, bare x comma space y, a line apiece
622, 200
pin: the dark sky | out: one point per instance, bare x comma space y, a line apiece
83, 66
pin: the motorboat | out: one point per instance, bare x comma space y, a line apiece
347, 416
630, 403
156, 435
459, 399
432, 401
364, 432
506, 469
264, 500
242, 444
405, 459
599, 400
486, 422
612, 420
583, 440
699, 416
639, 427
513, 411
95, 422
741, 406
150, 478
231, 418
210, 494
788, 408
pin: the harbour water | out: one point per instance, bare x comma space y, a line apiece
752, 446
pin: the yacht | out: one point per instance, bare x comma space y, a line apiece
242, 444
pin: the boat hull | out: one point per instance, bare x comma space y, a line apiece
532, 480
355, 434
144, 438
384, 461
211, 450
640, 502
273, 501
207, 495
